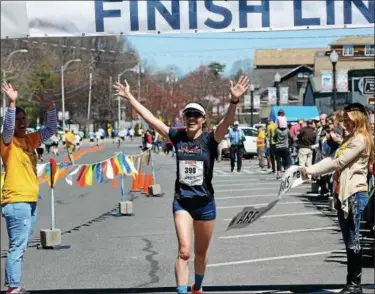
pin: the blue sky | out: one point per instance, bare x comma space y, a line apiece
188, 51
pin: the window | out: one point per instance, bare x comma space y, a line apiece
250, 132
369, 50
303, 75
348, 50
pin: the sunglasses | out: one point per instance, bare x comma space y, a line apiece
196, 114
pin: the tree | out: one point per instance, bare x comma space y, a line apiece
244, 66
216, 68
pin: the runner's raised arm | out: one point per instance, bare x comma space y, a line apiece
236, 92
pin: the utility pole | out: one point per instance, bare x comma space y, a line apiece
119, 105
63, 97
90, 87
110, 90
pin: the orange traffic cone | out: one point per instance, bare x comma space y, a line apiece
140, 180
145, 184
135, 185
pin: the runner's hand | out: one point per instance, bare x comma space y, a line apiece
240, 88
304, 173
123, 90
8, 89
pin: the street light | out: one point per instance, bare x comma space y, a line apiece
4, 77
63, 68
252, 89
334, 57
137, 69
277, 82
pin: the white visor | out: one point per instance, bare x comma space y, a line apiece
194, 107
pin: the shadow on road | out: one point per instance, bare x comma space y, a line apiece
367, 235
332, 288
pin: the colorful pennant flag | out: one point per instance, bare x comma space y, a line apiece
81, 177
129, 165
149, 158
109, 170
99, 173
88, 175
114, 166
69, 177
40, 168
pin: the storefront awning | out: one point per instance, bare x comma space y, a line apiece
293, 113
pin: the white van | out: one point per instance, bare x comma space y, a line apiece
250, 144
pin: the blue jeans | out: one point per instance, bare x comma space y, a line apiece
351, 225
20, 219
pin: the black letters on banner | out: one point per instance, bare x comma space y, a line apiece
249, 215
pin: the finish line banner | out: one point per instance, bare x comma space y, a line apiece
116, 17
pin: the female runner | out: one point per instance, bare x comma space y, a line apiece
193, 206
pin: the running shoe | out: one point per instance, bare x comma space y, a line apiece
193, 291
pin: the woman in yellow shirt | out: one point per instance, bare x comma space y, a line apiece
261, 142
20, 189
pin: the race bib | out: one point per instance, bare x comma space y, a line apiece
191, 172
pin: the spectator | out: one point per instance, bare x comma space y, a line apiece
282, 145
19, 193
306, 139
261, 142
350, 168
236, 137
271, 128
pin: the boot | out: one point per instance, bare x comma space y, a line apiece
353, 278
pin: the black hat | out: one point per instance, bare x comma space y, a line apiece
355, 107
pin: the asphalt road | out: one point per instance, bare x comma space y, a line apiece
296, 242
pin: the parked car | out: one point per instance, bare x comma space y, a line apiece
259, 125
250, 144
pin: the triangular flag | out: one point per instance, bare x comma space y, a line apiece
40, 169
104, 168
132, 161
129, 166
69, 177
47, 170
140, 167
118, 163
99, 173
149, 158
81, 177
53, 173
57, 174
88, 175
114, 166
109, 172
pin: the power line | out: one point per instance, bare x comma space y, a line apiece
241, 38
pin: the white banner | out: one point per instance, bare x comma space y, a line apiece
272, 96
256, 101
284, 95
93, 18
291, 179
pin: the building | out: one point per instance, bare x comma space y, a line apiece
294, 66
354, 78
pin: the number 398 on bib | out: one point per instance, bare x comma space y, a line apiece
191, 172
